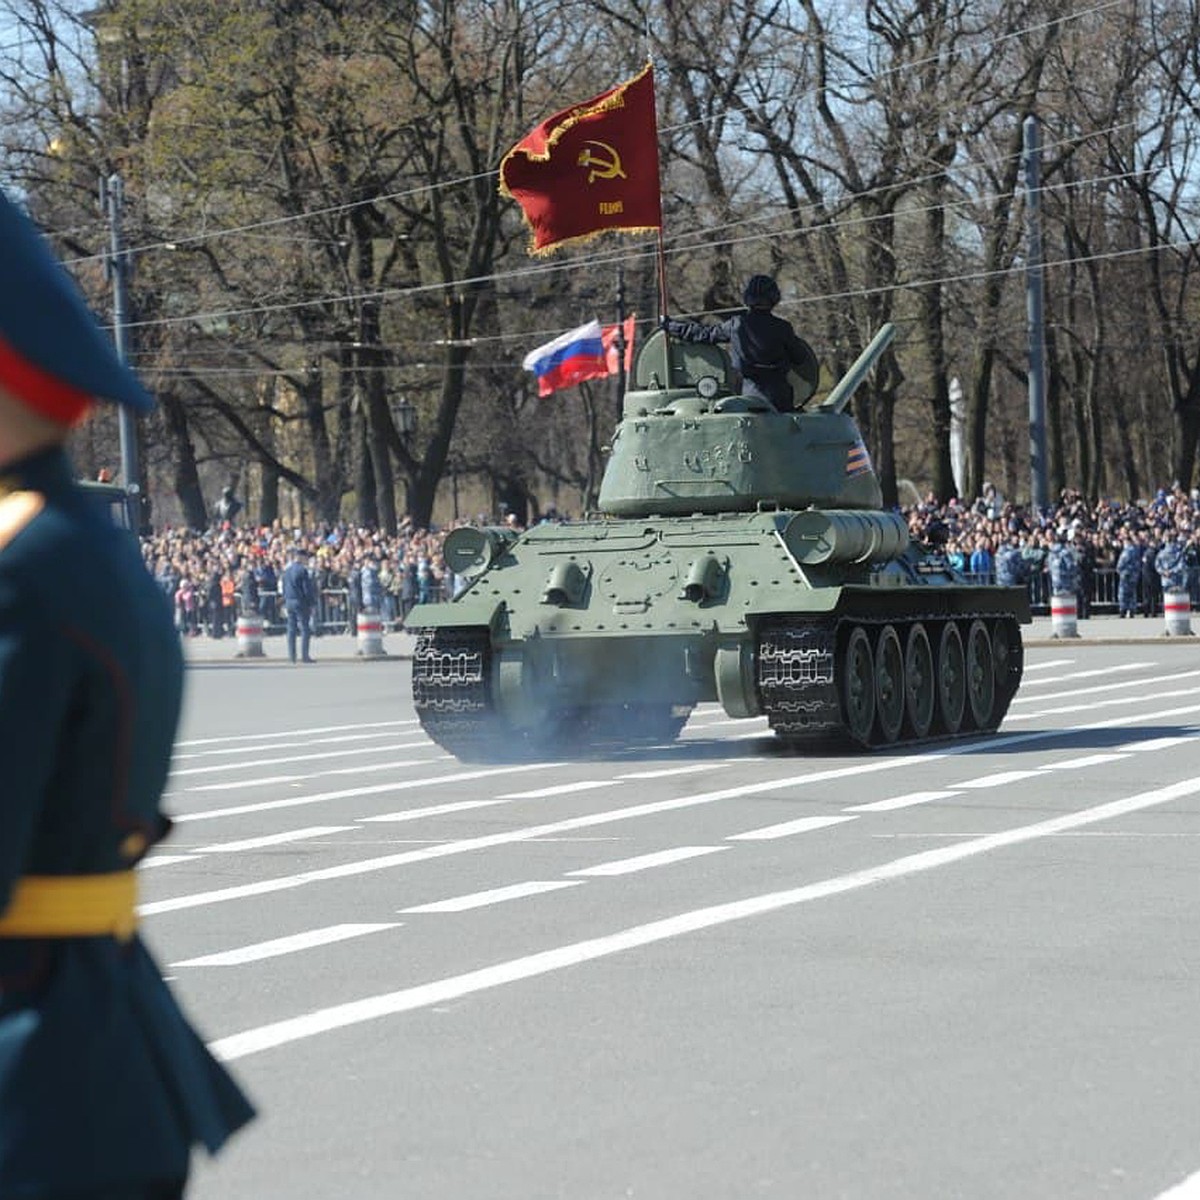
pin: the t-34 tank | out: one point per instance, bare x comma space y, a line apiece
741, 556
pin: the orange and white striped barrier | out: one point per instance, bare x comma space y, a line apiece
1064, 616
250, 636
370, 635
1177, 612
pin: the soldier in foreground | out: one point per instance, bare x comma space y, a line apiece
104, 1086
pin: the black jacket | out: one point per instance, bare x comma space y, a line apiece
763, 348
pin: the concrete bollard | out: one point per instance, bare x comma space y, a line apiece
250, 636
1063, 616
370, 635
1177, 610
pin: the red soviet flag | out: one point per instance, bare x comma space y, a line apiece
589, 168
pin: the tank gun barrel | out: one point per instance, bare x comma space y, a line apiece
849, 383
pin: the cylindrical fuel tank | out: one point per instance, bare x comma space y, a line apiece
818, 536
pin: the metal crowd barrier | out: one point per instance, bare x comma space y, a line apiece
333, 613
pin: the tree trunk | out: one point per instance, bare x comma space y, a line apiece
186, 479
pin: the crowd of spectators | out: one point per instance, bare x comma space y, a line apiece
211, 577
1135, 549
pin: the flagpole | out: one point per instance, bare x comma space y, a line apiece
664, 307
620, 397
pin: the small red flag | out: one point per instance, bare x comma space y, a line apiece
608, 335
590, 168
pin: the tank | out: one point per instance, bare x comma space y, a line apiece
741, 555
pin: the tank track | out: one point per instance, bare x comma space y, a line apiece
453, 700
452, 692
800, 677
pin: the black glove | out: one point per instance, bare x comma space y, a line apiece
664, 324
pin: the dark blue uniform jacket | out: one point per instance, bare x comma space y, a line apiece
102, 1079
763, 349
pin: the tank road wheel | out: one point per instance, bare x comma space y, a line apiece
889, 683
920, 687
1006, 657
858, 686
981, 677
951, 678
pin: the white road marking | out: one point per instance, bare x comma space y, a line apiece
1109, 687
1135, 666
1122, 700
1045, 666
643, 862
695, 768
235, 784
515, 891
1189, 1189
905, 801
375, 789
274, 839
358, 769
164, 860
301, 745
284, 945
787, 829
386, 862
1087, 760
430, 810
559, 789
292, 733
999, 779
1162, 743
370, 1008
1119, 752
273, 762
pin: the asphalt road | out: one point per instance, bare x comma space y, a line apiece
709, 971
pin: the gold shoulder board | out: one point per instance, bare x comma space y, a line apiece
17, 509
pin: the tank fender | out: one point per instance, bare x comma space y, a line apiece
733, 668
468, 611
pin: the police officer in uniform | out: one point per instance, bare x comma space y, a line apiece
299, 600
1064, 567
1129, 571
1170, 563
764, 348
104, 1086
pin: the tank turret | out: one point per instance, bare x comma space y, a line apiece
689, 443
741, 556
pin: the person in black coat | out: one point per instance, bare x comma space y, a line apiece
104, 1085
764, 348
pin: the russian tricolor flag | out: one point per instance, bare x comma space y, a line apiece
570, 358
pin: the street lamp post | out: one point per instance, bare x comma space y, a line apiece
404, 413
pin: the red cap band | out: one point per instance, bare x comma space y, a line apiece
41, 391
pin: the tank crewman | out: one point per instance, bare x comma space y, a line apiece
104, 1085
1064, 567
764, 348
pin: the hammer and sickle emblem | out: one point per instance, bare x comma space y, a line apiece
606, 165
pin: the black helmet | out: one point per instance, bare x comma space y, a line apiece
761, 292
